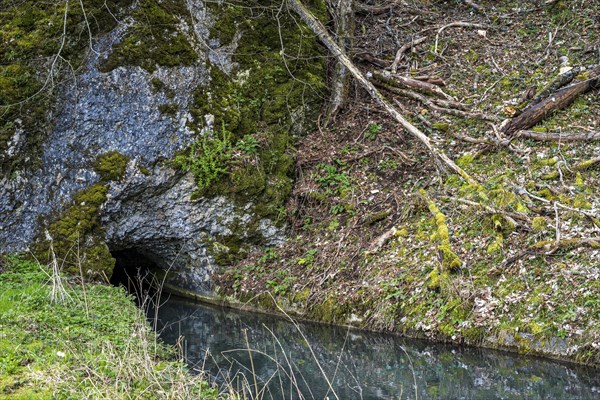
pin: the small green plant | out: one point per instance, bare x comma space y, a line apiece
332, 179
269, 255
248, 145
208, 159
308, 259
373, 130
280, 288
337, 209
388, 165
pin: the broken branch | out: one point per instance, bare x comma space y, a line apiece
559, 136
406, 82
403, 49
453, 25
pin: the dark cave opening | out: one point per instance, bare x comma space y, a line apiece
135, 272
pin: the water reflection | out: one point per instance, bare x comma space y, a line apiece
358, 365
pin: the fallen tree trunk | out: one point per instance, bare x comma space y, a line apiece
339, 54
560, 99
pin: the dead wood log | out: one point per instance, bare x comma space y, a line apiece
406, 82
436, 80
339, 54
559, 136
560, 99
558, 82
368, 57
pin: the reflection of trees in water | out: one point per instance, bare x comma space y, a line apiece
381, 365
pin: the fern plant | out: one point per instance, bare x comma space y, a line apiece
208, 158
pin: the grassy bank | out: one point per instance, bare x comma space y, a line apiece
91, 341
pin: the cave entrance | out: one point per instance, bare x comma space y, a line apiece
135, 272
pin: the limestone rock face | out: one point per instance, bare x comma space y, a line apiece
150, 209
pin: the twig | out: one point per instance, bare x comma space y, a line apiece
548, 248
509, 216
381, 241
472, 4
453, 25
431, 104
557, 222
403, 49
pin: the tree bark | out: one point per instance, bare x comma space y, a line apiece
560, 99
342, 14
339, 54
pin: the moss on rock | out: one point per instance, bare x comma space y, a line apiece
154, 40
30, 40
75, 237
271, 94
111, 166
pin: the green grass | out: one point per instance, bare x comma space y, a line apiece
95, 344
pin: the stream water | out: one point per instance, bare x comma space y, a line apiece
307, 361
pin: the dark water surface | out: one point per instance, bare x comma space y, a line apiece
358, 365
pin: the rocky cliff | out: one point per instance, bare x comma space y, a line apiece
105, 180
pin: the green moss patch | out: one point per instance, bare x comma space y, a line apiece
111, 166
154, 40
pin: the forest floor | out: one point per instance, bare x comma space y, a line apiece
381, 239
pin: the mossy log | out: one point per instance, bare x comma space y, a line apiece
560, 99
